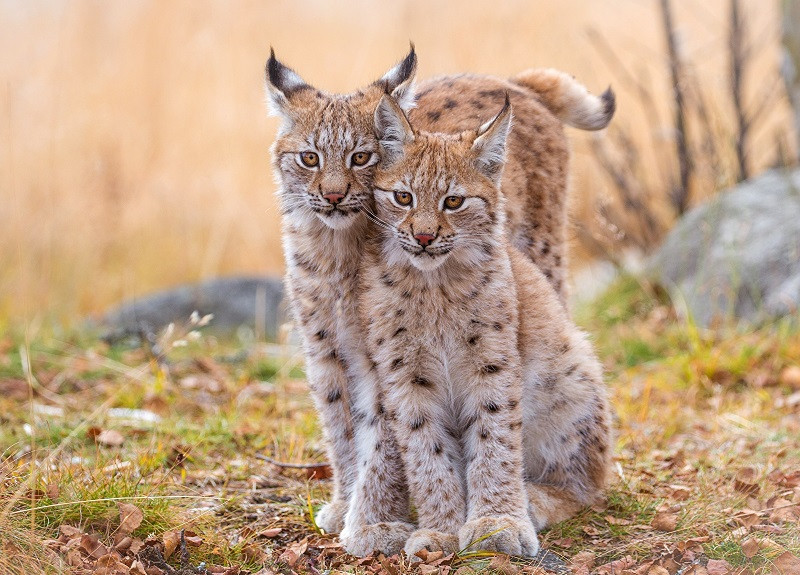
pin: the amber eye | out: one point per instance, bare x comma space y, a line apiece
360, 158
453, 202
309, 159
403, 198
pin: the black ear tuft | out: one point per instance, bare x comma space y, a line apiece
281, 77
273, 68
282, 82
408, 66
399, 81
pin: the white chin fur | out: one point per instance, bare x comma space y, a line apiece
338, 221
426, 263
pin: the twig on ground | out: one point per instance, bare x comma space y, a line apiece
286, 465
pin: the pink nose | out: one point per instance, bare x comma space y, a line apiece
333, 198
424, 239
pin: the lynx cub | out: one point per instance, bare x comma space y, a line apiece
493, 396
324, 158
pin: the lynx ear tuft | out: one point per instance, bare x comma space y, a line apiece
490, 143
399, 81
392, 128
281, 83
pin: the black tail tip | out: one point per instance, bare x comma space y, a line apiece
609, 103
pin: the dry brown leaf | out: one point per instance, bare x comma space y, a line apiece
679, 492
254, 553
786, 563
123, 544
192, 539
69, 532
665, 521
502, 564
323, 472
750, 548
74, 558
718, 567
783, 510
52, 491
137, 568
616, 521
130, 517
747, 517
586, 558
110, 564
615, 567
657, 570
91, 545
171, 541
566, 542
745, 481
271, 532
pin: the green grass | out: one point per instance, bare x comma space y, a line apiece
692, 408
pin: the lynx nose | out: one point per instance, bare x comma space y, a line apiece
424, 239
333, 197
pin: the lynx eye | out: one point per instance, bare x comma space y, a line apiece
360, 158
453, 202
403, 198
309, 159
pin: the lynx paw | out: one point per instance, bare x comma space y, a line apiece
432, 541
387, 537
511, 535
330, 518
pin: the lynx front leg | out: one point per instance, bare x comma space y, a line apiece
416, 407
497, 502
378, 514
329, 389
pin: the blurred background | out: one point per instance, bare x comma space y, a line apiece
134, 139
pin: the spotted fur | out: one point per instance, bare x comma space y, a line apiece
328, 215
494, 397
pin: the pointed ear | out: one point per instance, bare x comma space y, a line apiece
490, 144
282, 82
399, 81
392, 129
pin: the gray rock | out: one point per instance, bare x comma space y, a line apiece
255, 302
737, 257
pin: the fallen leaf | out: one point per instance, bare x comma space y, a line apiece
783, 510
130, 517
718, 567
586, 558
502, 564
615, 567
271, 532
69, 532
323, 472
665, 521
786, 563
192, 539
750, 548
91, 545
745, 481
680, 492
566, 542
616, 521
171, 541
